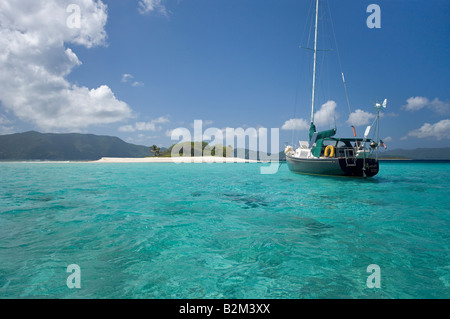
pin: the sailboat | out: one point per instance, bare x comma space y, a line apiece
325, 154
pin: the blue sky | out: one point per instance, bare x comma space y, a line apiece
139, 69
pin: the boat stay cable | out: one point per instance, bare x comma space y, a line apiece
340, 66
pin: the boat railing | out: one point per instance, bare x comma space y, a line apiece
350, 158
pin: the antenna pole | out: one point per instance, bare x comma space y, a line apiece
378, 130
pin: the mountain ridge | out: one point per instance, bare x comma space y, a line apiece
34, 145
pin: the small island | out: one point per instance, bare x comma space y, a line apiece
186, 152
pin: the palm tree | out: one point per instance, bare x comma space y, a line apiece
155, 149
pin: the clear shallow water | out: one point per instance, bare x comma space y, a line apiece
222, 231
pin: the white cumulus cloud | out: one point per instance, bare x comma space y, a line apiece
295, 124
325, 116
416, 103
35, 60
439, 130
360, 117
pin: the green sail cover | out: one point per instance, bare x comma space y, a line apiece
317, 148
312, 130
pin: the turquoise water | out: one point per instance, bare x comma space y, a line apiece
222, 231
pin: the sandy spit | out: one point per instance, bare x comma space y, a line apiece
181, 159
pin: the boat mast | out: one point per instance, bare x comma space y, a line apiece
314, 67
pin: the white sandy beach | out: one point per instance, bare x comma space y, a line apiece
181, 159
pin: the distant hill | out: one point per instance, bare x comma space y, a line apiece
418, 154
50, 146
